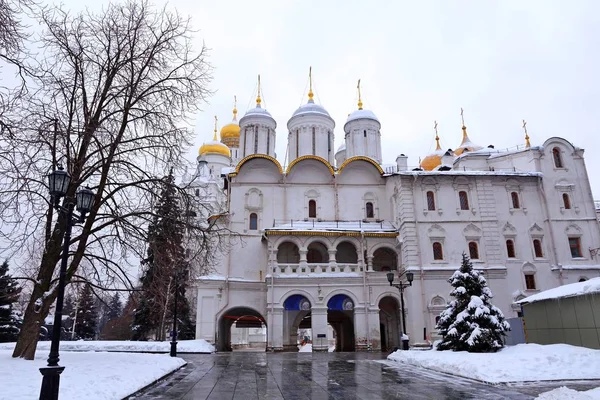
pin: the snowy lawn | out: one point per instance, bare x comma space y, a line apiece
88, 375
520, 363
183, 346
564, 393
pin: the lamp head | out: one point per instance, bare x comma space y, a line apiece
390, 277
84, 200
58, 182
409, 277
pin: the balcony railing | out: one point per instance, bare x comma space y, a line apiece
315, 269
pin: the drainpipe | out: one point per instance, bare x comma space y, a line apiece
420, 260
365, 291
337, 206
272, 299
551, 230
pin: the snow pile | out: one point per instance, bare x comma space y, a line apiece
520, 363
183, 346
573, 289
98, 376
307, 348
564, 393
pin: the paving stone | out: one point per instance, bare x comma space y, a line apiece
322, 376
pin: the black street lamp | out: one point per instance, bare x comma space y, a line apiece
58, 184
409, 277
174, 335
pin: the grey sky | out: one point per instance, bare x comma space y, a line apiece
419, 61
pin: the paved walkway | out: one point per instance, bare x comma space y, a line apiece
295, 376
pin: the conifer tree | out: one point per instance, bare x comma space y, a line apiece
87, 314
470, 322
115, 307
165, 258
9, 294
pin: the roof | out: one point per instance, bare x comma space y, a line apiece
311, 108
590, 286
333, 226
362, 114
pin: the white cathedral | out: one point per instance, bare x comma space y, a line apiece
320, 235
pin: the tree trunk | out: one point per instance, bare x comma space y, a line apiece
30, 329
163, 318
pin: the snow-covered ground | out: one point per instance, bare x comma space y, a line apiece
564, 393
88, 375
520, 363
183, 346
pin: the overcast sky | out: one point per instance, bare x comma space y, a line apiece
419, 61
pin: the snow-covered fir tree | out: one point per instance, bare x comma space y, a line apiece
9, 294
115, 307
166, 269
87, 314
470, 322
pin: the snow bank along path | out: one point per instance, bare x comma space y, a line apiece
564, 393
520, 363
183, 346
88, 375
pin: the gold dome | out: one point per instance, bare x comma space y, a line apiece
214, 147
230, 133
434, 159
466, 144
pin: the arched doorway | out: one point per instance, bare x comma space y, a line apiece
297, 322
249, 330
340, 315
389, 323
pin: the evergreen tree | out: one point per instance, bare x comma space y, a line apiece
9, 294
470, 322
87, 314
165, 258
115, 307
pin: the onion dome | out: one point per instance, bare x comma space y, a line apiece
257, 111
466, 145
434, 159
310, 108
230, 133
341, 148
214, 146
361, 113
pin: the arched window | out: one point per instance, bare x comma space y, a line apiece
537, 248
430, 201
312, 209
369, 210
473, 250
515, 200
583, 279
253, 222
438, 252
510, 248
557, 157
566, 201
529, 281
464, 200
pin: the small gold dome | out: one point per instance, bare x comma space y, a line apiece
230, 133
214, 147
434, 159
466, 144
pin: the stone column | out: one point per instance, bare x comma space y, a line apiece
369, 263
319, 327
374, 328
276, 338
332, 262
303, 262
361, 341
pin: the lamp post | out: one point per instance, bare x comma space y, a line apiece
58, 184
401, 286
174, 335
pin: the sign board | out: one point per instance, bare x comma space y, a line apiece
321, 335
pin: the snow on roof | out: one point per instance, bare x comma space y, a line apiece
301, 225
571, 290
362, 114
470, 173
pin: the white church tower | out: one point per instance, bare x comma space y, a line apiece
311, 130
362, 133
257, 131
230, 135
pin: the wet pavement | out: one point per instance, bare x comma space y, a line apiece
295, 376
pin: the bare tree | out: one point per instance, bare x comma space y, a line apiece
111, 100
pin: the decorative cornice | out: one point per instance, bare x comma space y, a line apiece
330, 233
310, 157
250, 157
361, 158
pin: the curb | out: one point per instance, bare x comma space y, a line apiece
139, 391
